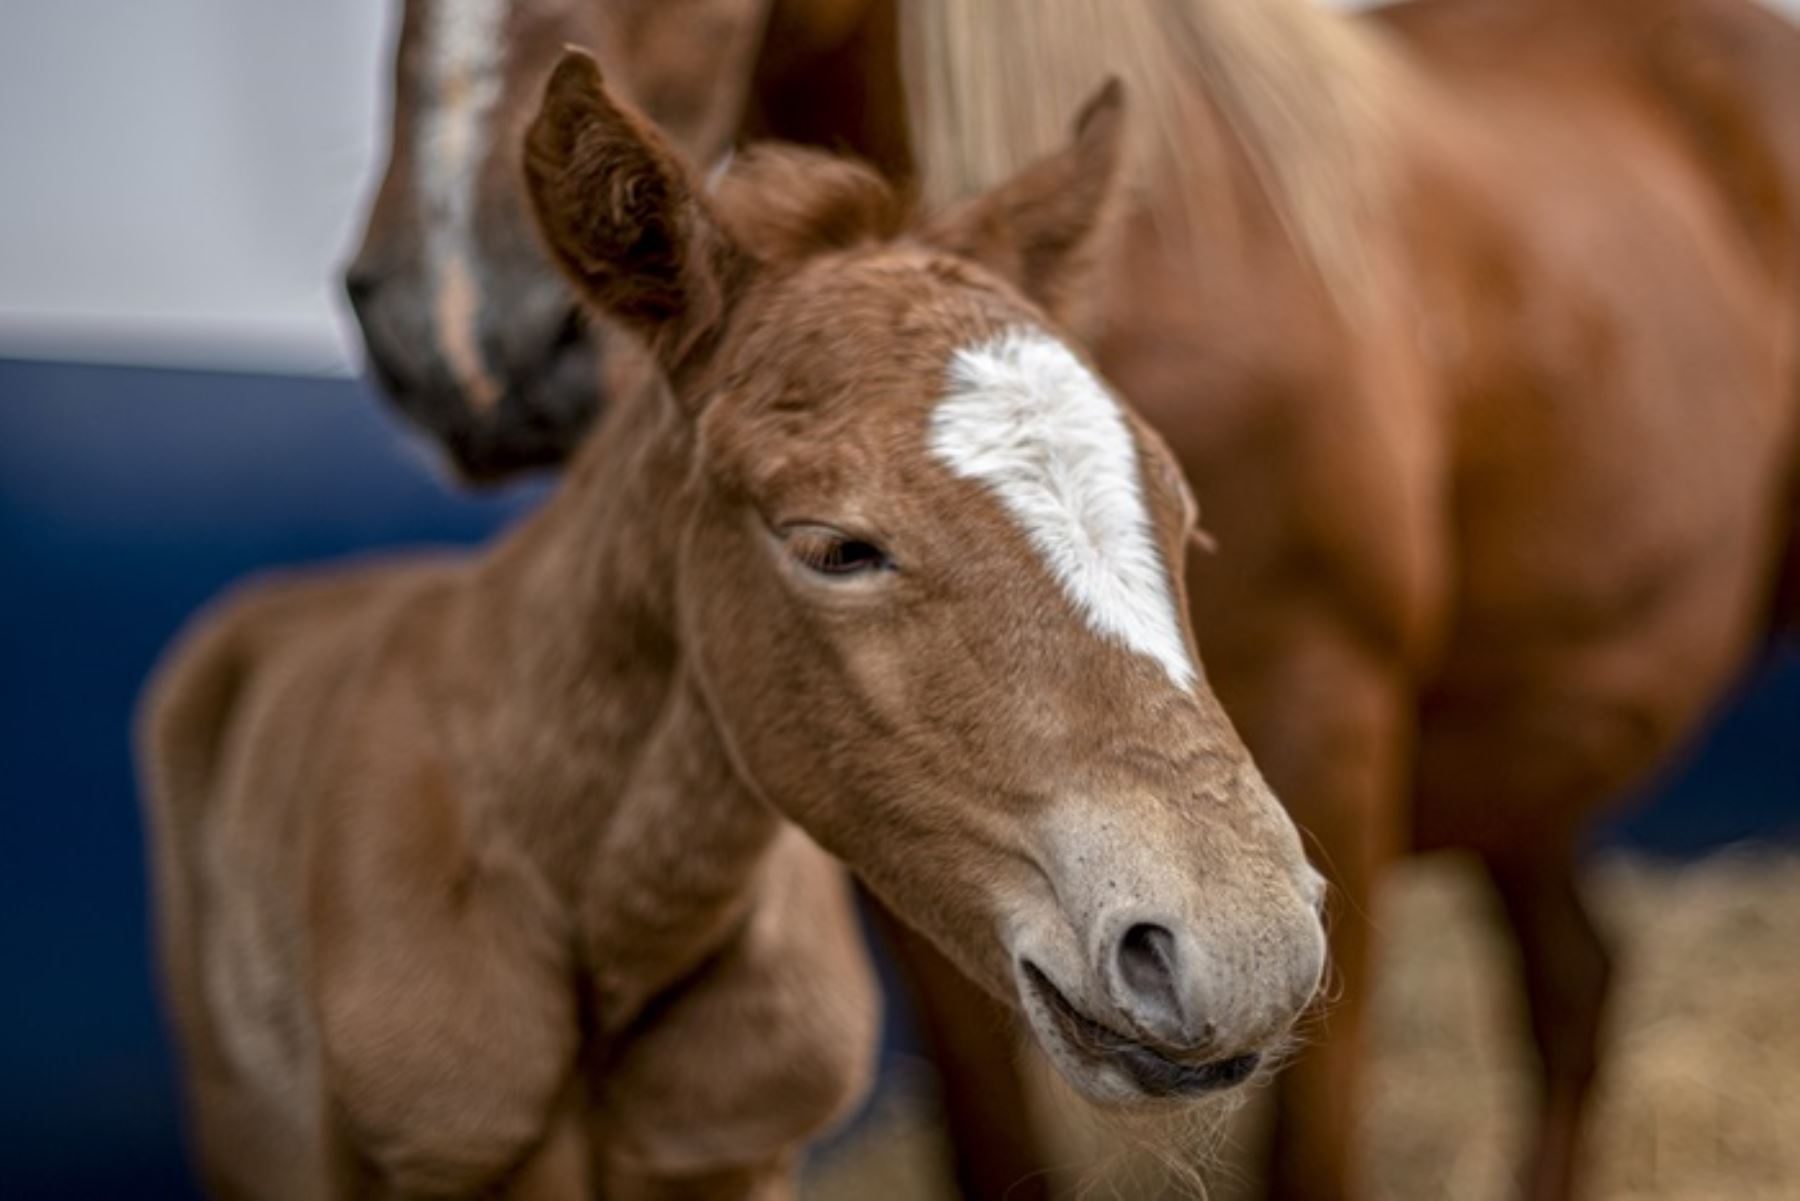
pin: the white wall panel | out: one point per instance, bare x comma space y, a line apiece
179, 178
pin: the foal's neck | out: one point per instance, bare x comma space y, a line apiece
598, 756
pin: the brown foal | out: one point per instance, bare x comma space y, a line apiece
503, 873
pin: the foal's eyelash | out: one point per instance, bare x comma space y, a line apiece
832, 552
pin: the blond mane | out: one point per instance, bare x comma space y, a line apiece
1311, 95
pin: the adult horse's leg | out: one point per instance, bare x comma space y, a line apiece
1329, 722
994, 1151
1513, 773
1566, 970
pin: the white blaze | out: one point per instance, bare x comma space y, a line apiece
464, 59
1026, 418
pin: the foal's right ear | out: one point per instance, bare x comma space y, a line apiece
1044, 228
624, 220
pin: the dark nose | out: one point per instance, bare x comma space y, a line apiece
1149, 971
360, 283
533, 343
390, 329
559, 331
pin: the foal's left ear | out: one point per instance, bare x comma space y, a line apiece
1043, 228
624, 219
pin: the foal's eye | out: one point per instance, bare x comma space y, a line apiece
832, 552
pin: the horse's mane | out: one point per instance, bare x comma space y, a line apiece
1309, 93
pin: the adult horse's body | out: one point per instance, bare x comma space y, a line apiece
479, 876
1474, 323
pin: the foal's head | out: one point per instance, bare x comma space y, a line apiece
928, 584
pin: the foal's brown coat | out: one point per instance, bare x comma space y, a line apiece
478, 874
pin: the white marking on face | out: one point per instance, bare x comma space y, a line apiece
464, 56
1026, 418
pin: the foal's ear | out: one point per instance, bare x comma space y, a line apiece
624, 220
1042, 228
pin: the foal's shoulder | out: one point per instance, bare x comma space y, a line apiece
289, 593
284, 608
230, 644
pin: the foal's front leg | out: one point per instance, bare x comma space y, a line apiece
714, 1093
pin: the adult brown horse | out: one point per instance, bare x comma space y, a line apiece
487, 876
1474, 323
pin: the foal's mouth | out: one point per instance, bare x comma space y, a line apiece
1151, 1070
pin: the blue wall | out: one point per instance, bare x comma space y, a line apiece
127, 497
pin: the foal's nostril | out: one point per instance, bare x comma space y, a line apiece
1148, 971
